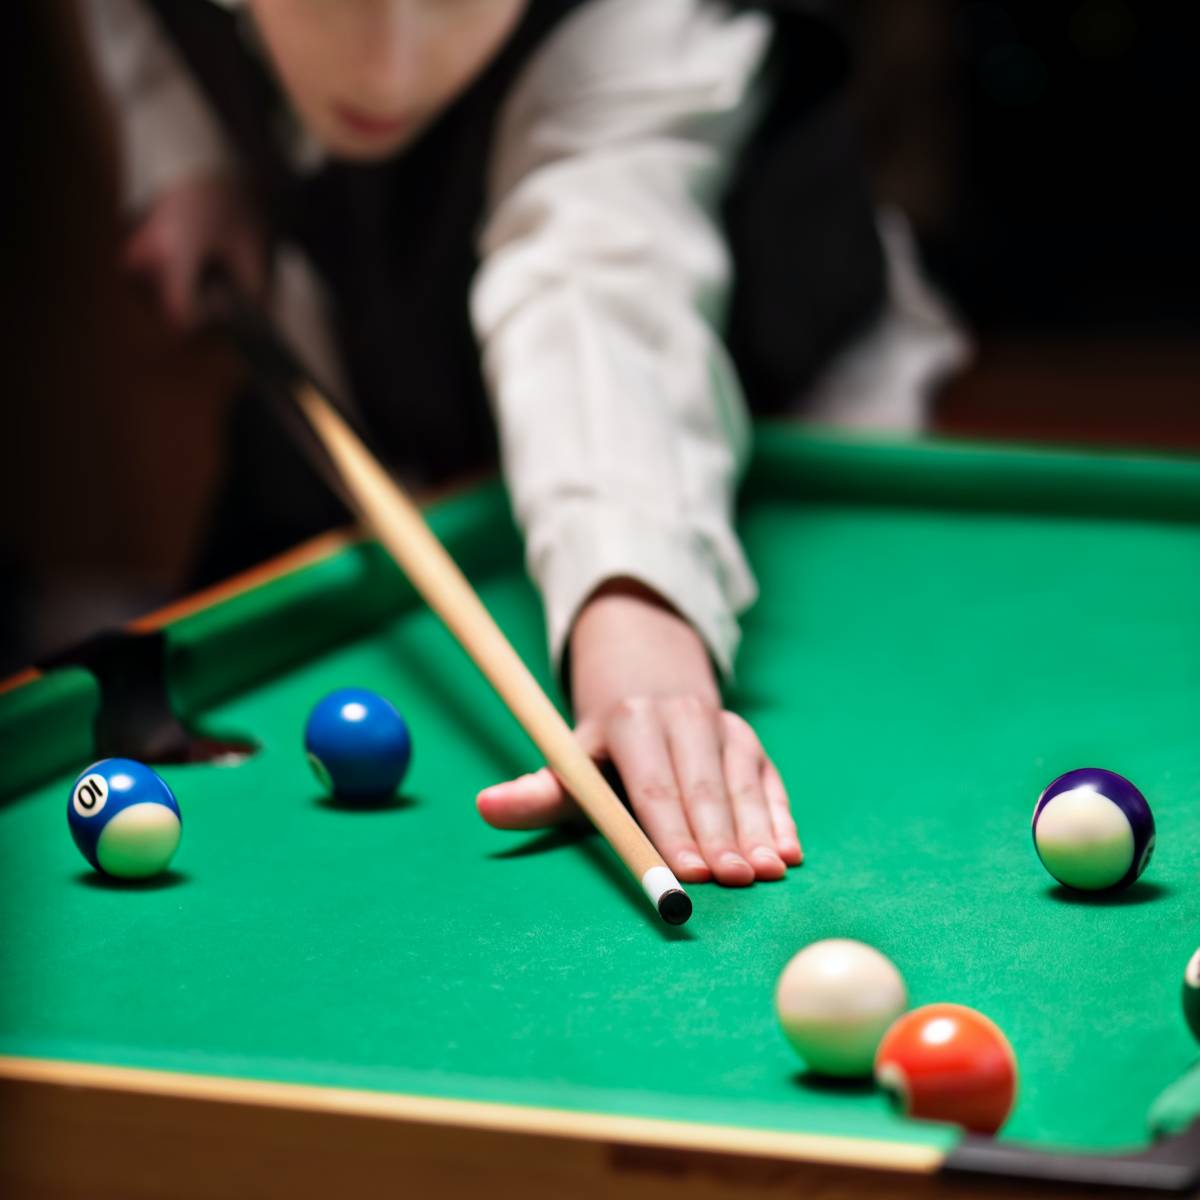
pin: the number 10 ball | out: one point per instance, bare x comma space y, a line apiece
124, 819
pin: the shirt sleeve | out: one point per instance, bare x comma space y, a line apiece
603, 280
166, 130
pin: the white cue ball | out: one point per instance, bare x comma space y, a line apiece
835, 1001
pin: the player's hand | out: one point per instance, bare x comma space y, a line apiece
207, 220
697, 777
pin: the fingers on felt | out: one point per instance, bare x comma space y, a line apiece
694, 738
698, 783
638, 747
787, 839
742, 758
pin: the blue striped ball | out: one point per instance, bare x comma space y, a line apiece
124, 818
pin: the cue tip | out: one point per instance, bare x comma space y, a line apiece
675, 906
662, 888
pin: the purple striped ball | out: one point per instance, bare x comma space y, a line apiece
1093, 830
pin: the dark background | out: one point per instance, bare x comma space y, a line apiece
1042, 152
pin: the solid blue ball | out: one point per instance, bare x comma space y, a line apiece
358, 744
124, 818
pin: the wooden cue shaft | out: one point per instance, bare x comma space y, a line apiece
395, 520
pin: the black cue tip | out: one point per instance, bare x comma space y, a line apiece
675, 906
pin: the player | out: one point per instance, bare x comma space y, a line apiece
511, 226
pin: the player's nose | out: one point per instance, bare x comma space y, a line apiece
388, 72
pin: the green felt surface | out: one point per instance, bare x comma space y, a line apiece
924, 658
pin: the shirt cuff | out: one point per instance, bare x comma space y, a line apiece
593, 541
169, 138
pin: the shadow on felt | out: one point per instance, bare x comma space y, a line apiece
1145, 891
546, 840
601, 858
109, 883
396, 802
832, 1085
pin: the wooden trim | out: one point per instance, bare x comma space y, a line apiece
478, 1115
295, 559
301, 556
20, 679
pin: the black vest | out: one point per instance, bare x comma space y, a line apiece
395, 241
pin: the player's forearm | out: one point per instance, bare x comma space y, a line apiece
604, 277
623, 432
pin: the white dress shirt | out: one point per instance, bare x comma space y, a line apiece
603, 279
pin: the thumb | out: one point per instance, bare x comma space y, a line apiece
246, 261
179, 279
141, 252
537, 800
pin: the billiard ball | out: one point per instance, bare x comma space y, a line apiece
834, 1000
358, 744
124, 818
1093, 830
1191, 995
947, 1062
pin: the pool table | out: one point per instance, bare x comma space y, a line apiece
400, 1000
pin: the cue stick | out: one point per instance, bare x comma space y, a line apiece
386, 510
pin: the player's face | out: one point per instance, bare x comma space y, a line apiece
366, 76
